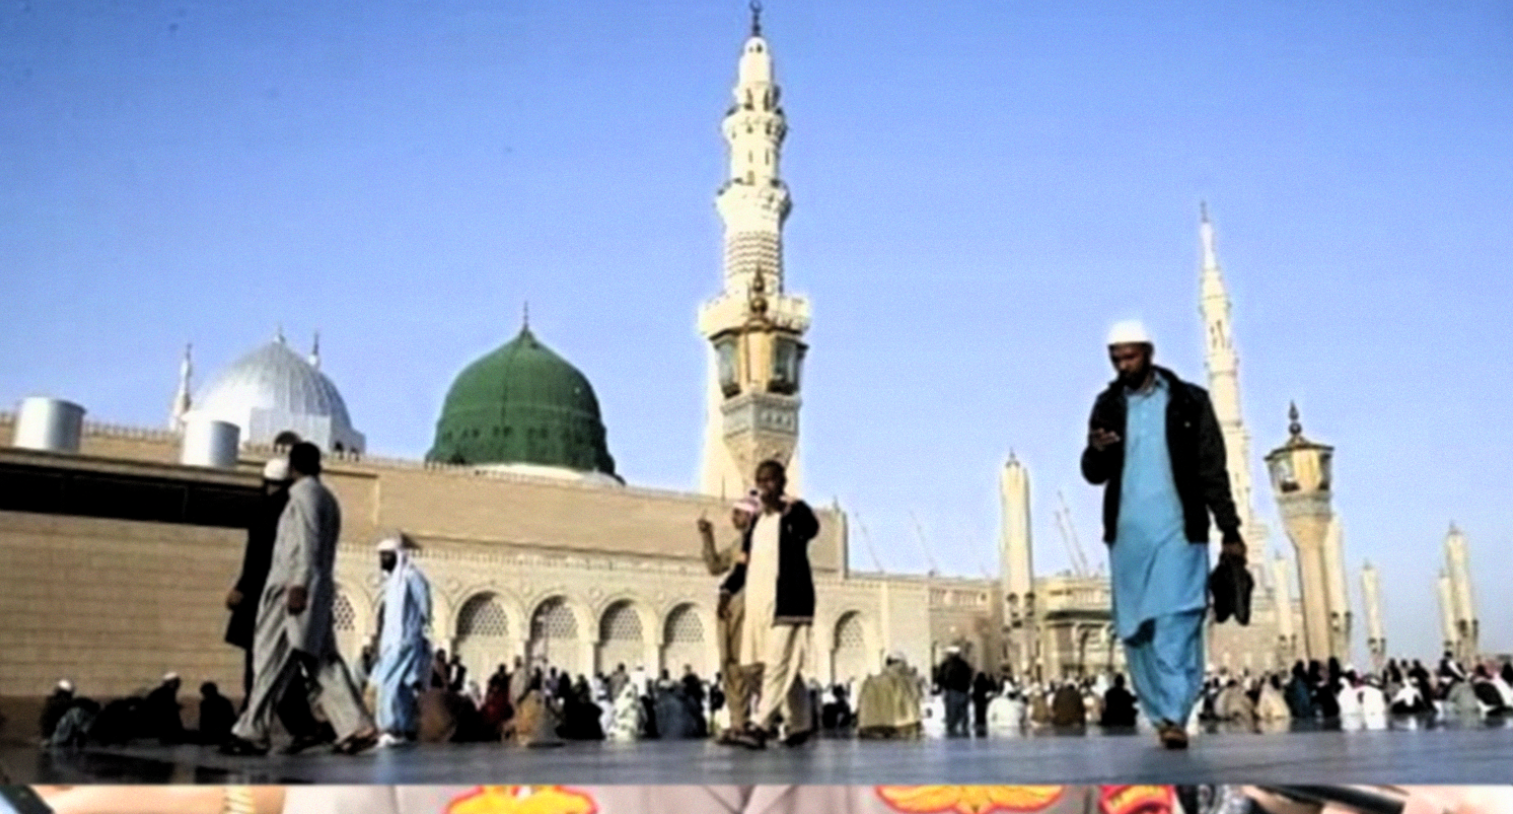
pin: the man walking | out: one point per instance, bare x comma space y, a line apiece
246, 596
1154, 443
404, 655
294, 624
954, 677
779, 603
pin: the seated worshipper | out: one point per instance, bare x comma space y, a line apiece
836, 714
536, 717
1006, 712
1234, 706
1270, 705
1040, 706
628, 713
1461, 701
1408, 701
1503, 680
404, 655
217, 715
580, 715
1349, 699
161, 713
1068, 710
55, 708
118, 723
1092, 702
673, 719
888, 705
1118, 706
1487, 692
1373, 700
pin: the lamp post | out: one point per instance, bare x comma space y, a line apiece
1301, 472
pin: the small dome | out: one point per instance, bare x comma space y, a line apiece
272, 391
522, 404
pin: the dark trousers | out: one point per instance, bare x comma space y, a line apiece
956, 712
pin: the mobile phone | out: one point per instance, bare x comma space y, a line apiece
1365, 799
22, 800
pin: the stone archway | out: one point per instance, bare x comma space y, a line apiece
849, 656
687, 642
622, 638
483, 635
556, 638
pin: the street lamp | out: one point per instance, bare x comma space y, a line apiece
1301, 475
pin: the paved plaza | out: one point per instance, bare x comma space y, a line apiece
1453, 754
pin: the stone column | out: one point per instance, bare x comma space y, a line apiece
1301, 474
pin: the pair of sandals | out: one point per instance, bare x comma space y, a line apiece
355, 745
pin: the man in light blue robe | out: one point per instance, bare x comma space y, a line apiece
404, 655
1156, 443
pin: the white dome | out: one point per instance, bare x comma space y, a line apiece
272, 390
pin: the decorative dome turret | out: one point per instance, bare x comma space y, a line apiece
524, 408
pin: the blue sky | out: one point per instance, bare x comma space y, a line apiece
980, 188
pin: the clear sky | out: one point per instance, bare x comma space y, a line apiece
980, 189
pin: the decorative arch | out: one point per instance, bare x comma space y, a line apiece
484, 633
352, 620
624, 632
559, 630
850, 650
688, 636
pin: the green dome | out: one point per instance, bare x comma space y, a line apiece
522, 404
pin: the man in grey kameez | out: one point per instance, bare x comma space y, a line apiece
294, 625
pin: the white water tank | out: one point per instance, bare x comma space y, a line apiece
208, 442
49, 425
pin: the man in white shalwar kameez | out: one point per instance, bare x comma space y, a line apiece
404, 655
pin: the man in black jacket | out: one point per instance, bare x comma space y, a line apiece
779, 603
244, 599
1154, 443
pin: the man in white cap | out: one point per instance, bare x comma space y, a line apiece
731, 612
1154, 443
404, 655
245, 597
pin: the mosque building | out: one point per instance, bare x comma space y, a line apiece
118, 544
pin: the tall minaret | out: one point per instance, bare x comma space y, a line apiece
1459, 567
181, 399
1287, 636
1224, 389
1016, 563
1376, 635
1447, 612
753, 203
1340, 616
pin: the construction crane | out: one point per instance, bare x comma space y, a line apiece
924, 546
1069, 536
867, 541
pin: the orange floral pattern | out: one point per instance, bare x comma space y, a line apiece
1137, 800
969, 799
523, 800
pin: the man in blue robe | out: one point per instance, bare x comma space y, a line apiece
1155, 443
404, 655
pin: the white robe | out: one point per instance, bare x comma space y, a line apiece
628, 715
1349, 700
404, 655
761, 591
935, 717
1005, 715
1373, 701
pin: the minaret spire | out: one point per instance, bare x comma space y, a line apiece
1224, 382
753, 204
315, 352
181, 400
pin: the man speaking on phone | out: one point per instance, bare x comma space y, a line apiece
1154, 444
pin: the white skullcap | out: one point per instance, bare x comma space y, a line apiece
1129, 332
66, 685
171, 676
897, 655
953, 649
276, 469
394, 541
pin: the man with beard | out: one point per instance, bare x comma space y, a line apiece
294, 707
1154, 443
404, 655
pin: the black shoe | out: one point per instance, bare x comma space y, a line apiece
751, 738
302, 743
242, 748
798, 738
